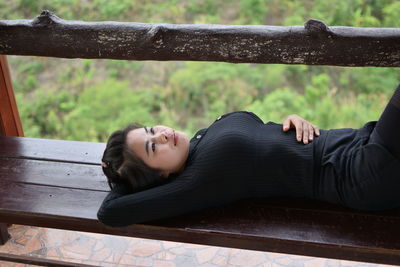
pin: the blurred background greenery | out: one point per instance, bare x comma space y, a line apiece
86, 99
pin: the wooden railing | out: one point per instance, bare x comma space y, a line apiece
313, 44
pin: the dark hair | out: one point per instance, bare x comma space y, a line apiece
122, 166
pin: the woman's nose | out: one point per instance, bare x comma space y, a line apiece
161, 138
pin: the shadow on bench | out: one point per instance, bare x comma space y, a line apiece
59, 184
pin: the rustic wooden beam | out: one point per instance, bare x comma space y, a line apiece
10, 122
311, 44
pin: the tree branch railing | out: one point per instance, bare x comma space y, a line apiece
312, 44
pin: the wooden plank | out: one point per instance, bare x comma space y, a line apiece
52, 150
311, 205
10, 122
40, 261
89, 177
320, 233
59, 174
49, 200
313, 44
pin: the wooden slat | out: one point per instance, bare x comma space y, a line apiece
59, 174
321, 233
10, 122
311, 204
54, 150
49, 200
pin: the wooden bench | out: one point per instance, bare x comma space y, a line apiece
59, 184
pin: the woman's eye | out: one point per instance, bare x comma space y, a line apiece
153, 146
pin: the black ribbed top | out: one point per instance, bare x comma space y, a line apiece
236, 157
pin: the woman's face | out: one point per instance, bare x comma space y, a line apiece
160, 147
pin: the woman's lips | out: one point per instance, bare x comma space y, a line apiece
175, 138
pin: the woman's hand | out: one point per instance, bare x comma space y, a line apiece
304, 129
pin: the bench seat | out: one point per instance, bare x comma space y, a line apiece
59, 184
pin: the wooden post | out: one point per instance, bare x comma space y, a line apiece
10, 122
4, 235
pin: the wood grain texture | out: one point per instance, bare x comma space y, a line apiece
313, 44
10, 122
51, 150
304, 231
58, 174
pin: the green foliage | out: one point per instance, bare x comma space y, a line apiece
89, 99
109, 8
391, 14
26, 75
253, 11
41, 118
210, 88
119, 69
106, 107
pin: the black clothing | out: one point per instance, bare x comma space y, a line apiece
388, 126
239, 156
355, 171
361, 168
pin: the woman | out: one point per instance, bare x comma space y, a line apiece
157, 172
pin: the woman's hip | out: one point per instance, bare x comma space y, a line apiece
370, 181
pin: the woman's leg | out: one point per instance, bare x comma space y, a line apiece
387, 129
374, 180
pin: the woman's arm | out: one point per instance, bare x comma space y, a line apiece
121, 208
304, 129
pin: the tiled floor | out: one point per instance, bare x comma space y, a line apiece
106, 250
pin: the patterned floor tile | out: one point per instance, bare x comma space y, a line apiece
247, 258
112, 251
206, 254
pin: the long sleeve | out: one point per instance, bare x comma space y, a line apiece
179, 196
